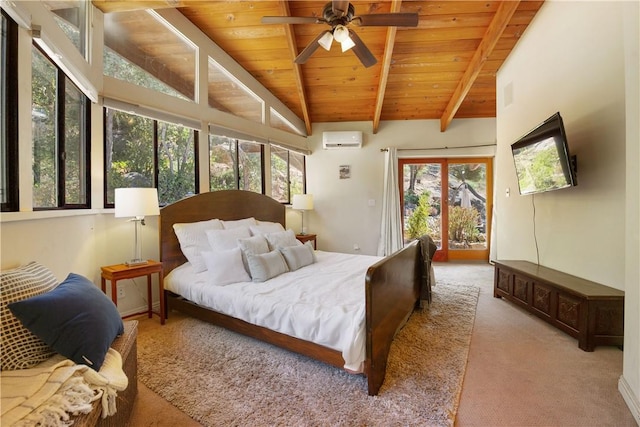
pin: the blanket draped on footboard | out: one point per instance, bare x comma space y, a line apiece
427, 247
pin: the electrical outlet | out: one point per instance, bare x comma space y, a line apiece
121, 293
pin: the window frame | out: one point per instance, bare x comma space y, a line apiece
61, 81
10, 109
237, 141
156, 157
304, 174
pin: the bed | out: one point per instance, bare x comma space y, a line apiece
392, 285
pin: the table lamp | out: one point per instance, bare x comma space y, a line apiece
302, 202
136, 203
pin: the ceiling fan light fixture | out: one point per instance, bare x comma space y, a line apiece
326, 40
347, 44
340, 33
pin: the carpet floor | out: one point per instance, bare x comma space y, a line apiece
218, 377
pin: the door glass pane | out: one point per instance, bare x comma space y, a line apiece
422, 195
468, 206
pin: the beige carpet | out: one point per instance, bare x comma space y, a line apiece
220, 378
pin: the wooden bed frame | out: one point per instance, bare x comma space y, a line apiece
392, 284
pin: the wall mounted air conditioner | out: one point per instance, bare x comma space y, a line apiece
345, 139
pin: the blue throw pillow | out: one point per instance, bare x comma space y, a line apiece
75, 319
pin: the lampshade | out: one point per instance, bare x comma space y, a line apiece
340, 33
325, 40
136, 202
303, 202
347, 44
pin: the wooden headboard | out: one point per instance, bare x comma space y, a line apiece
226, 205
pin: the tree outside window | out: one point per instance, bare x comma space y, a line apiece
60, 130
142, 152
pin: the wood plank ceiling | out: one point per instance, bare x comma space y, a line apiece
444, 69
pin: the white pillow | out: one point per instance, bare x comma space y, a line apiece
225, 267
266, 227
222, 240
282, 239
193, 240
255, 245
298, 256
246, 222
266, 266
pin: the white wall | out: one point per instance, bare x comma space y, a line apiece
81, 244
342, 216
572, 59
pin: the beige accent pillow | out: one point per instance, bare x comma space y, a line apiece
266, 266
298, 256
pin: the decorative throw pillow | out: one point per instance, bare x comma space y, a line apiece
298, 256
76, 319
246, 222
282, 239
254, 245
193, 240
225, 267
266, 227
266, 266
222, 240
21, 349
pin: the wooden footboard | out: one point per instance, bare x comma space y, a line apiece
392, 291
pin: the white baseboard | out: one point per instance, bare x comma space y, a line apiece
630, 398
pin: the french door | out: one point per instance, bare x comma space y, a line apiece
451, 200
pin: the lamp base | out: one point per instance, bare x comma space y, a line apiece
133, 262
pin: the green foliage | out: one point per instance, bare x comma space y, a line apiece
463, 224
417, 223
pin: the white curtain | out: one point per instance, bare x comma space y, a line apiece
391, 238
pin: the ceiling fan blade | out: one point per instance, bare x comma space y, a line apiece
340, 7
362, 51
311, 47
290, 20
408, 19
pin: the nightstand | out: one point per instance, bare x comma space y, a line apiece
307, 238
117, 272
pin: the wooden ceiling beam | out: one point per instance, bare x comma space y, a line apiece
296, 68
492, 35
386, 66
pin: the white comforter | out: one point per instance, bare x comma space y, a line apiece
323, 302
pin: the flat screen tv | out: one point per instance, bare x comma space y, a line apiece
542, 158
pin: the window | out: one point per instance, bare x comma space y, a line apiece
143, 152
71, 17
60, 130
228, 94
143, 49
287, 174
235, 164
8, 116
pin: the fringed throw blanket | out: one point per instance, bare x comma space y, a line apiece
48, 394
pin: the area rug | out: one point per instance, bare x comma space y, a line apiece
221, 378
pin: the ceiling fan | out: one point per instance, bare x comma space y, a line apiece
339, 14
